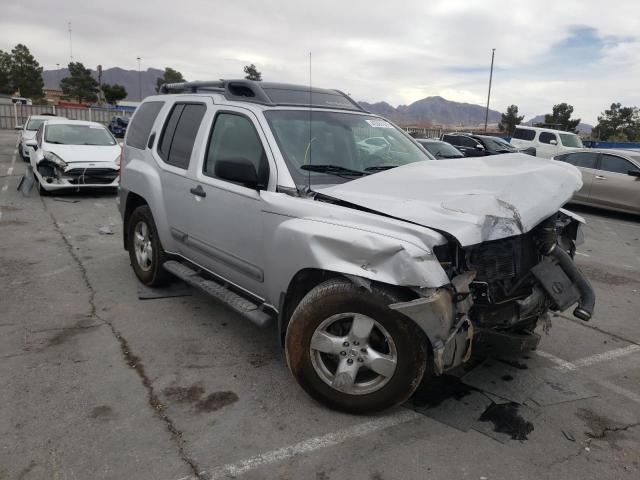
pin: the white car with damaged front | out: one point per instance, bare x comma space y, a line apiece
74, 154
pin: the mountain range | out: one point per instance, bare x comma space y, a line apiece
434, 110
127, 78
430, 110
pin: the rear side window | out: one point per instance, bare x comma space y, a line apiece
138, 132
179, 133
234, 136
615, 164
580, 159
546, 137
524, 134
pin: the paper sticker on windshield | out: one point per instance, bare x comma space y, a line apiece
379, 124
95, 126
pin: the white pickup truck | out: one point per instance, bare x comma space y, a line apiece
545, 141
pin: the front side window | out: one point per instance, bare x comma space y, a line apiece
571, 140
581, 159
615, 164
546, 137
330, 147
68, 134
468, 142
179, 133
234, 137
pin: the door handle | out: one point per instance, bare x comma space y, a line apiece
600, 177
199, 191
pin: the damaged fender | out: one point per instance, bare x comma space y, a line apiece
442, 314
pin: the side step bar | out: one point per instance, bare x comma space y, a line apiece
244, 307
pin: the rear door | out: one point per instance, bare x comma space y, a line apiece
586, 162
174, 149
613, 186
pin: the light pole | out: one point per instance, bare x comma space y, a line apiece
486, 114
139, 81
70, 43
58, 74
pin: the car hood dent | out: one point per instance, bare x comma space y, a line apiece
473, 199
85, 153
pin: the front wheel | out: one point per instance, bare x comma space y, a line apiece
145, 250
348, 350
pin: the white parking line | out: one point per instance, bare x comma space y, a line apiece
582, 254
9, 171
310, 445
606, 356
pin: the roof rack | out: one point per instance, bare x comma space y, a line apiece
268, 93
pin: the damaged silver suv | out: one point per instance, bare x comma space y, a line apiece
378, 265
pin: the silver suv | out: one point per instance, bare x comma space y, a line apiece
378, 265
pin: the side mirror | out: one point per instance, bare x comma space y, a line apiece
18, 127
553, 142
634, 173
479, 147
239, 170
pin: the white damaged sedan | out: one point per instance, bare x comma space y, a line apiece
74, 154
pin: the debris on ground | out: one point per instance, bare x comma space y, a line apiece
175, 289
105, 230
27, 181
65, 200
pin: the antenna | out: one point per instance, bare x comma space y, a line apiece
310, 124
70, 43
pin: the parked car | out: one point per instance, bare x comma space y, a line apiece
478, 145
27, 135
610, 178
546, 142
375, 268
74, 154
439, 149
118, 126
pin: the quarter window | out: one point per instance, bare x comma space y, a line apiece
179, 134
615, 164
546, 137
524, 134
145, 116
233, 137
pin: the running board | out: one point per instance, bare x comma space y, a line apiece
243, 306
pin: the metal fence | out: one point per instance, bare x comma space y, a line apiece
12, 115
424, 132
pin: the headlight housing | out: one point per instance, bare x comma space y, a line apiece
53, 158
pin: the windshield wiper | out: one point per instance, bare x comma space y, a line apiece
334, 169
379, 168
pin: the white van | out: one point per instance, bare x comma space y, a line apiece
546, 141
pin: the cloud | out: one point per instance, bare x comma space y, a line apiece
546, 51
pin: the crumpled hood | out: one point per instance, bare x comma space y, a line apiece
85, 153
473, 199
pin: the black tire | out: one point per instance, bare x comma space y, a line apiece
337, 296
155, 274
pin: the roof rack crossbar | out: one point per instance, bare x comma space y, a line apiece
191, 87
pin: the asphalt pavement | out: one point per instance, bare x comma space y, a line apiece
97, 383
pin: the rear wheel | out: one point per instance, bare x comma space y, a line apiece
145, 251
348, 350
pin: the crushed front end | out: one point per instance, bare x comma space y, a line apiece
500, 290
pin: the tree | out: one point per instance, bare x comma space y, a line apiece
252, 73
510, 119
113, 93
620, 123
25, 73
562, 116
80, 84
5, 73
170, 76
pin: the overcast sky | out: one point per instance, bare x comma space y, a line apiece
584, 52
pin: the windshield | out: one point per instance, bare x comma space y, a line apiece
571, 140
34, 124
340, 146
497, 144
67, 134
441, 149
